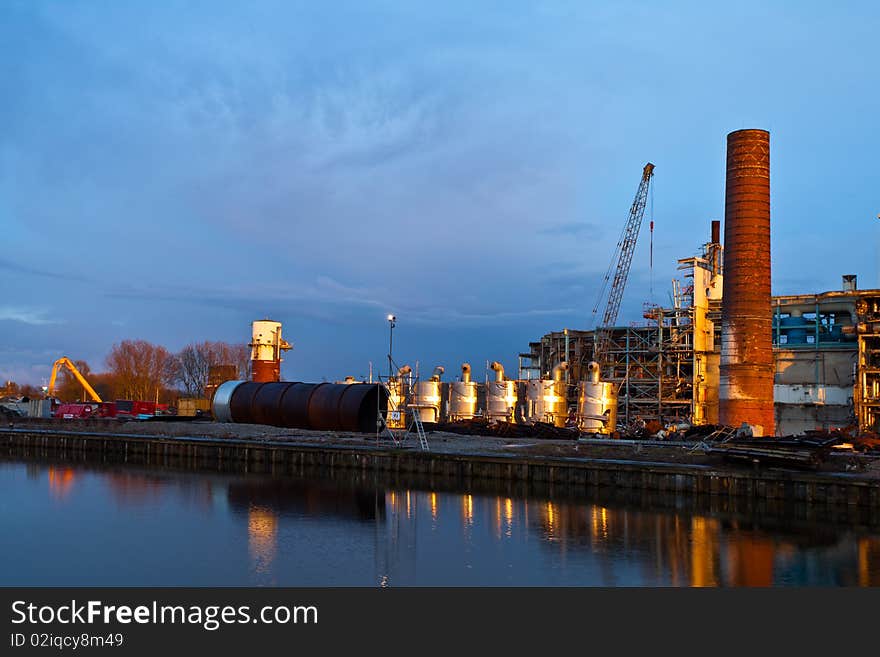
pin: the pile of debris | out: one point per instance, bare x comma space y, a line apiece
806, 452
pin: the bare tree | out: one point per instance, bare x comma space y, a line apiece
140, 369
193, 363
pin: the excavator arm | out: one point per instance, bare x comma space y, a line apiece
65, 361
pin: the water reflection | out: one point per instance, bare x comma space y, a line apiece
262, 538
319, 529
61, 482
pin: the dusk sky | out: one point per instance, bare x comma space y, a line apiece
171, 171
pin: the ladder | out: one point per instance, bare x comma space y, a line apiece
420, 430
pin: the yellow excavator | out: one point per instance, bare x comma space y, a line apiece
65, 361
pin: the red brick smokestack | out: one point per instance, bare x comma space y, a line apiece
746, 387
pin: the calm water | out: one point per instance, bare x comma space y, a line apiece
65, 525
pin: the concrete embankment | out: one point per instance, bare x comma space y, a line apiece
465, 459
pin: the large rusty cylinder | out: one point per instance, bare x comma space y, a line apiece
266, 405
747, 369
322, 406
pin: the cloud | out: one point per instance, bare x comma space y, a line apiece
16, 268
26, 316
573, 228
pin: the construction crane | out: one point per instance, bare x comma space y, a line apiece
66, 362
619, 265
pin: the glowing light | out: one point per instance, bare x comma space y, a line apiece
434, 506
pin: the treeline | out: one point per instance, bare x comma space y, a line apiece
137, 369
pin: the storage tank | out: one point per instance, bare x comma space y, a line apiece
266, 347
463, 396
546, 399
319, 406
597, 403
397, 390
427, 398
501, 396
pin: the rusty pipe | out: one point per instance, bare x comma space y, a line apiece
438, 372
499, 370
465, 372
593, 370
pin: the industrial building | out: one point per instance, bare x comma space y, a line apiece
825, 346
727, 352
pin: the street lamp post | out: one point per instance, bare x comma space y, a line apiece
391, 320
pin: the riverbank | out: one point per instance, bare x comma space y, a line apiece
632, 465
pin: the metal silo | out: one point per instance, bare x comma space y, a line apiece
501, 396
546, 399
427, 398
463, 396
597, 403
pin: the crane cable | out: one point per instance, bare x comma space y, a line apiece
651, 250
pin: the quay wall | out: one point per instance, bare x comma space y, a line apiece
280, 457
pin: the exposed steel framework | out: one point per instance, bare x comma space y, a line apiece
747, 366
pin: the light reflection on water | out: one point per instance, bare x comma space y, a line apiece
72, 525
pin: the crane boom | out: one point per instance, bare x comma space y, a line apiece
65, 361
620, 264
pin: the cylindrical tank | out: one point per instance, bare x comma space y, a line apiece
266, 404
220, 403
241, 401
325, 406
597, 403
266, 347
426, 401
463, 396
747, 368
501, 396
427, 397
546, 399
294, 406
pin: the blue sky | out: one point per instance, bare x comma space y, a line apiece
172, 171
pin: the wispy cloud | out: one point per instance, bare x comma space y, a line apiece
16, 268
26, 316
573, 228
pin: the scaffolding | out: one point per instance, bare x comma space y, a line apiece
664, 367
867, 392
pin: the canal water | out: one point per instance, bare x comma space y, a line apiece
66, 525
